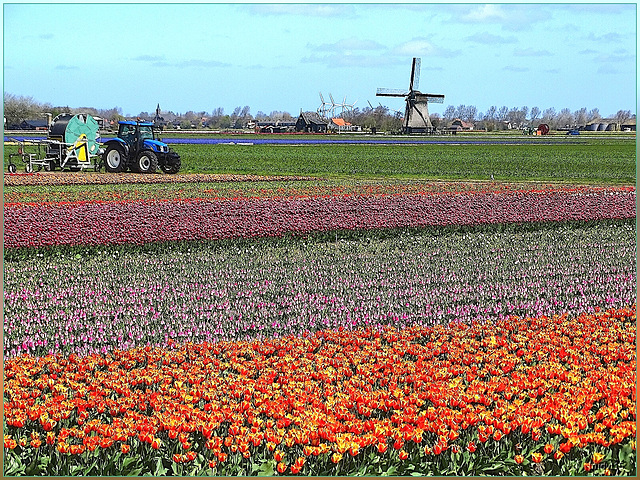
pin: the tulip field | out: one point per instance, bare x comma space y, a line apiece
213, 324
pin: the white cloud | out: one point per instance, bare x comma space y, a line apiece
515, 69
304, 10
611, 37
531, 52
351, 60
347, 44
509, 17
416, 47
608, 70
160, 61
422, 47
149, 58
487, 38
485, 13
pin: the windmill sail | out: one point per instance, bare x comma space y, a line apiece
391, 92
415, 75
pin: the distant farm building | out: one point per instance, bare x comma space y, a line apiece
311, 122
34, 125
466, 126
341, 125
629, 126
278, 126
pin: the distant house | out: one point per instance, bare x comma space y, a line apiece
34, 125
462, 125
341, 125
279, 126
311, 122
629, 125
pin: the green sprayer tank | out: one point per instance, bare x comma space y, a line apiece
68, 128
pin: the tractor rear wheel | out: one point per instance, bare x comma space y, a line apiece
114, 159
147, 162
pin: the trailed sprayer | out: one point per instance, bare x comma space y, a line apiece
73, 143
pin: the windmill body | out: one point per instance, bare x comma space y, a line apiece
416, 117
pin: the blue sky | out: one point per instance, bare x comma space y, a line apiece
279, 56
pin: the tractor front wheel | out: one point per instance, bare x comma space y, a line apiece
147, 162
114, 159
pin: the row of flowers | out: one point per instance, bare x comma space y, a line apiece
199, 219
228, 188
91, 178
95, 299
538, 395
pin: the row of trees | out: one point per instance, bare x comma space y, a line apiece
495, 117
18, 109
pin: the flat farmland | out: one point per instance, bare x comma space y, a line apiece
559, 159
326, 309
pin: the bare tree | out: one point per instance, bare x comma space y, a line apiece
549, 116
449, 113
19, 108
436, 120
535, 113
565, 118
622, 115
470, 113
580, 116
490, 118
460, 111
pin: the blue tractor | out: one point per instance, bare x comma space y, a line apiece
137, 149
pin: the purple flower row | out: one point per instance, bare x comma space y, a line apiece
151, 221
254, 290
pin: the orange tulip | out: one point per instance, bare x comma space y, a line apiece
597, 458
548, 448
278, 455
403, 455
565, 447
9, 443
536, 457
518, 459
281, 467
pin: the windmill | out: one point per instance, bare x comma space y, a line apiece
416, 117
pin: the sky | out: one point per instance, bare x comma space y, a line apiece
280, 56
